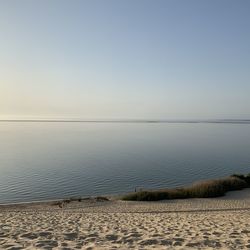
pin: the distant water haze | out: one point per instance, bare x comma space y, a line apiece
50, 160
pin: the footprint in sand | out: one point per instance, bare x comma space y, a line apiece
111, 237
166, 242
245, 231
212, 243
193, 244
148, 242
30, 236
12, 247
177, 243
45, 234
70, 236
46, 243
93, 235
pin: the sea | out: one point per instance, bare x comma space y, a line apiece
48, 160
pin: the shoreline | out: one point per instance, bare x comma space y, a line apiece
72, 203
71, 199
234, 183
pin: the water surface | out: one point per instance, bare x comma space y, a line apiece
50, 160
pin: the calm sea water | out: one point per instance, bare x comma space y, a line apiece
43, 161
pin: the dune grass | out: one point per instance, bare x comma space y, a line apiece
203, 189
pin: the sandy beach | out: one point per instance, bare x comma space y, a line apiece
221, 223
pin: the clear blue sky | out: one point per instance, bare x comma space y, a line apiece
170, 59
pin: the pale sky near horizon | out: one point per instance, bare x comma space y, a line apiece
160, 59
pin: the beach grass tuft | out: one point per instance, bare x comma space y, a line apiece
202, 189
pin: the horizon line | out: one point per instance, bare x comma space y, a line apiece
236, 121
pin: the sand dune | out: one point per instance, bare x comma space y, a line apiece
182, 224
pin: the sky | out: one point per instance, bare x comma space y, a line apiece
124, 59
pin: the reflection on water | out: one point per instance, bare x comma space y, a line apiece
40, 161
